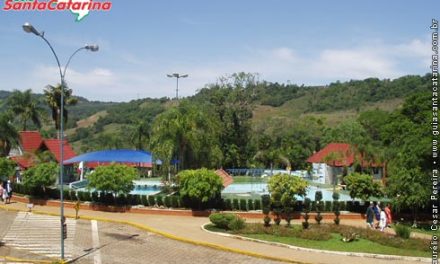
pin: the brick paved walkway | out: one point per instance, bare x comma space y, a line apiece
189, 228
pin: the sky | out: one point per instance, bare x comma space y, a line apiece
299, 42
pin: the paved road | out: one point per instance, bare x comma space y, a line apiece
31, 235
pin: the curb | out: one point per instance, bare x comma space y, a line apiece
164, 234
355, 254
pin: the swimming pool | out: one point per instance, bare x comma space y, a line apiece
261, 188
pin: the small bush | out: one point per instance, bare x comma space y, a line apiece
236, 224
167, 201
136, 199
221, 220
328, 206
350, 206
250, 204
257, 204
159, 200
267, 220
95, 197
174, 201
342, 206
228, 204
151, 200
121, 199
235, 205
402, 231
87, 196
144, 199
243, 205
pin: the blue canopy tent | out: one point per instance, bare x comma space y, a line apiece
118, 155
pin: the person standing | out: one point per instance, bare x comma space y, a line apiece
1, 192
388, 213
9, 191
5, 192
383, 220
376, 210
369, 215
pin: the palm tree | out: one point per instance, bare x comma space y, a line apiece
272, 157
9, 136
139, 132
53, 99
25, 107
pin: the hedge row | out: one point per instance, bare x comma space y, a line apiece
102, 198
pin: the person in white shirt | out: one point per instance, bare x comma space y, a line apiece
383, 219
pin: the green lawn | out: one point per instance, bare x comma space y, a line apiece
336, 244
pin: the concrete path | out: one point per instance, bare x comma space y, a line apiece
188, 228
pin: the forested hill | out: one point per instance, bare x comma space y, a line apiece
97, 125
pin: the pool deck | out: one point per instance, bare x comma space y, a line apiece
188, 229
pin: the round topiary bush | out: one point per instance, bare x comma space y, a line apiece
221, 220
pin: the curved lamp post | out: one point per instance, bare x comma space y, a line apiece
30, 29
177, 76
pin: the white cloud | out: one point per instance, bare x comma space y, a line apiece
139, 79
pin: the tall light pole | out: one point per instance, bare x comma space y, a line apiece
30, 29
177, 76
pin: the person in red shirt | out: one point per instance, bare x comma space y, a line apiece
388, 214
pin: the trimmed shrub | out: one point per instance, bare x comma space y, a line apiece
107, 198
221, 220
328, 206
174, 201
137, 199
121, 199
342, 206
95, 197
243, 205
236, 224
349, 206
167, 201
402, 231
250, 204
235, 205
228, 204
257, 204
144, 199
151, 200
159, 200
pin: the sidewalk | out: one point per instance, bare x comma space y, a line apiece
188, 229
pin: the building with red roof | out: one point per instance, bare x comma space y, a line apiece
336, 159
31, 142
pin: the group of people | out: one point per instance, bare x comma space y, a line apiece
378, 217
6, 191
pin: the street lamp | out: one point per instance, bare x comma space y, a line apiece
177, 76
30, 29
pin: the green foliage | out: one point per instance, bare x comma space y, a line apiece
221, 220
265, 200
199, 186
235, 204
184, 132
228, 204
362, 186
167, 201
250, 205
42, 175
257, 204
243, 205
402, 231
151, 200
159, 200
336, 207
144, 200
9, 136
7, 168
114, 178
319, 206
237, 223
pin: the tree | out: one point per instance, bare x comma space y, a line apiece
41, 176
140, 134
283, 189
188, 132
199, 187
25, 107
7, 169
9, 136
362, 186
115, 178
53, 99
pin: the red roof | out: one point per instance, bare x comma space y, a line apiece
30, 140
53, 145
23, 162
227, 179
343, 155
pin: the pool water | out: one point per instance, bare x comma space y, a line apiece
261, 188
